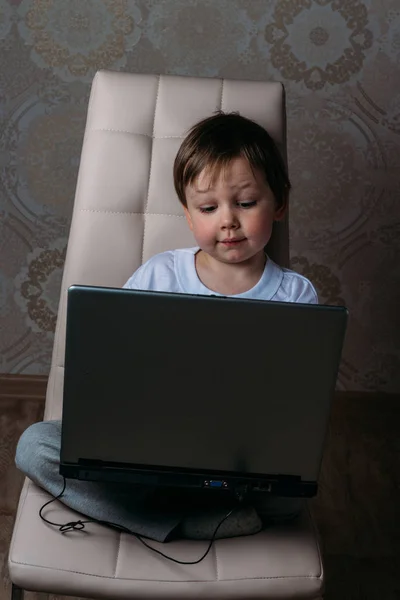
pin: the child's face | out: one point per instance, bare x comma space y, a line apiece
232, 214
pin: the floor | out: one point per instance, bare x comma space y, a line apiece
357, 509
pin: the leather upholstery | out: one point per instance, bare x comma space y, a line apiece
125, 211
281, 562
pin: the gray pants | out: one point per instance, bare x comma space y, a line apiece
152, 512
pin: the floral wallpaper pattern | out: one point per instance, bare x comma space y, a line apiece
339, 62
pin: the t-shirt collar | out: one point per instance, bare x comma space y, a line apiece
190, 283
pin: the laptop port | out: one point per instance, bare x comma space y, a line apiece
215, 483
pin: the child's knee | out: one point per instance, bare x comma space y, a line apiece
37, 446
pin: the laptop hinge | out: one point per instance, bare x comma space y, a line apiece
242, 483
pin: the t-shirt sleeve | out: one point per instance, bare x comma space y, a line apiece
297, 288
135, 281
307, 293
157, 274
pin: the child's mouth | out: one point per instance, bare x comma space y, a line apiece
232, 242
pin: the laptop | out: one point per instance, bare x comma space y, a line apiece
197, 391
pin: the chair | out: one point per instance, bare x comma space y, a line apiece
125, 211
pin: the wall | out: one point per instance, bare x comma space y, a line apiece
339, 62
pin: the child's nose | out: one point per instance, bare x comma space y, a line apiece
228, 218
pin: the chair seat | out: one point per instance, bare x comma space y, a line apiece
283, 561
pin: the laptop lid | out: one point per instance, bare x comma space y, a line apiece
197, 390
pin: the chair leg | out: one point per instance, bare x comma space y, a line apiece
17, 593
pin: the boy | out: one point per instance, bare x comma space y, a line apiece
233, 185
232, 182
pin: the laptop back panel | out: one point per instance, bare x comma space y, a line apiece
196, 385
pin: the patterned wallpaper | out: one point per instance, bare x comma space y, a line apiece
339, 61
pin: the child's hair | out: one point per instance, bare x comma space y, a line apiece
214, 142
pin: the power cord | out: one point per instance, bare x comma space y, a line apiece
80, 525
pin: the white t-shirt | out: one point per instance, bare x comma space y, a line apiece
175, 271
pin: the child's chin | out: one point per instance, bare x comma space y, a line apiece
232, 257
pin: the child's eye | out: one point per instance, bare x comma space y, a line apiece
248, 204
207, 209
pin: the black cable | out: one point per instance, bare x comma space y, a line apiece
80, 525
191, 562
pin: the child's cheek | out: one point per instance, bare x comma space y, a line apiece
202, 233
259, 226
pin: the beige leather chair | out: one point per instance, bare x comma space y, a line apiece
125, 211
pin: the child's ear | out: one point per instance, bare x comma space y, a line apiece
188, 218
280, 212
